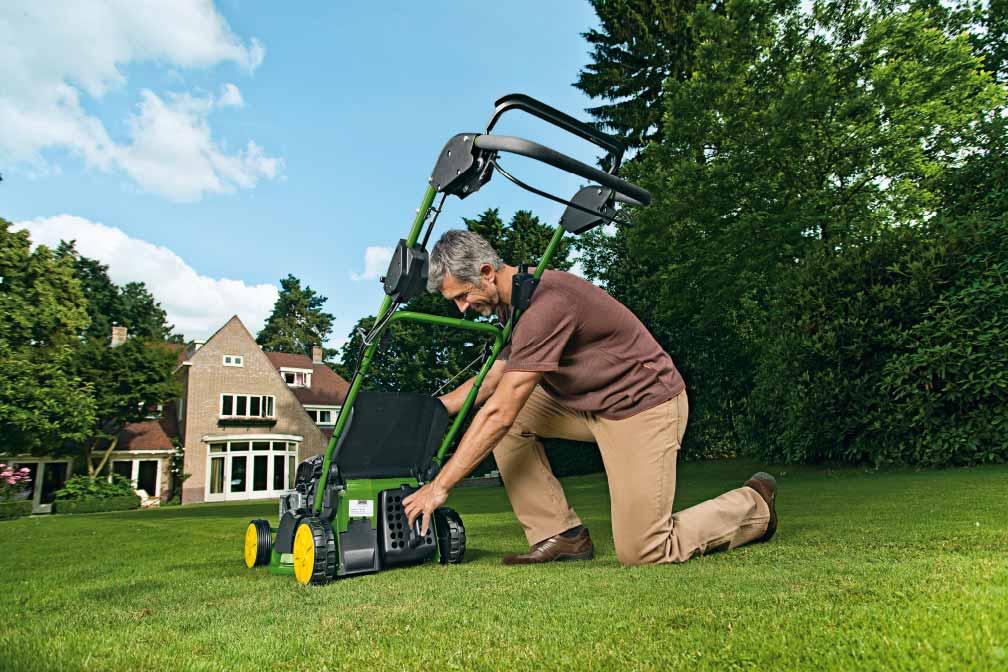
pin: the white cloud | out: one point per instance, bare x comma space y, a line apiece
173, 153
53, 53
376, 261
196, 304
230, 96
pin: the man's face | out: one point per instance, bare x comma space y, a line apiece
482, 298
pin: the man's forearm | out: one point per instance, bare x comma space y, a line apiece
453, 400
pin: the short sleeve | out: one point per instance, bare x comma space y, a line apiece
543, 332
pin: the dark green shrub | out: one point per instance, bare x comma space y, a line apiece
9, 510
891, 351
100, 487
573, 458
96, 505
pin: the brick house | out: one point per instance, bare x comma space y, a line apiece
246, 418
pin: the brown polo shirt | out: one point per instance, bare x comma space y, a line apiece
594, 354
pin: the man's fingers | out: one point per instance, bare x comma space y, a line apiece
425, 525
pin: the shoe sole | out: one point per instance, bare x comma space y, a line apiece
566, 557
772, 524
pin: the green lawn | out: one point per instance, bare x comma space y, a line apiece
894, 570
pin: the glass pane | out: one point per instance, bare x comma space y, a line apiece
269, 407
255, 407
239, 465
290, 472
259, 465
227, 404
240, 405
289, 378
218, 447
278, 472
54, 476
239, 445
216, 475
123, 468
325, 417
147, 477
260, 445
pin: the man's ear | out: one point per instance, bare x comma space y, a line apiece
488, 273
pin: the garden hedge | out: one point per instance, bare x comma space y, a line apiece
121, 503
15, 509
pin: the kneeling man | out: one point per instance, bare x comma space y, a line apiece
581, 366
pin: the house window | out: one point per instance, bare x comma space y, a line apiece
247, 406
322, 416
250, 469
234, 360
296, 377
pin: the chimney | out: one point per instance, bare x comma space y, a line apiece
118, 336
316, 354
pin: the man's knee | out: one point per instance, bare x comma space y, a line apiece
648, 550
633, 552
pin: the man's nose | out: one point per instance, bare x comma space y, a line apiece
462, 305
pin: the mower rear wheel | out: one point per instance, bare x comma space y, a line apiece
258, 543
314, 552
451, 536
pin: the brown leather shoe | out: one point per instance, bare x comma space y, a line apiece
766, 486
556, 548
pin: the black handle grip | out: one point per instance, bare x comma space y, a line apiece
519, 101
533, 150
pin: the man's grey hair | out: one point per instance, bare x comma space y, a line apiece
460, 254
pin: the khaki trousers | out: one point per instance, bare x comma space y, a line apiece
639, 454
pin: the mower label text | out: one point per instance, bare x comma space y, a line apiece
361, 507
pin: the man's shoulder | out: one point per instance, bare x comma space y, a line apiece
563, 281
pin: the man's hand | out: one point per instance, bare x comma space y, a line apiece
424, 501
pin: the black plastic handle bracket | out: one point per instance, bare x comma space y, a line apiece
460, 169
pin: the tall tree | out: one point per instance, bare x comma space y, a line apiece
297, 322
639, 45
131, 306
41, 304
44, 407
798, 131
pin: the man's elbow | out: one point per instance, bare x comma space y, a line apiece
499, 416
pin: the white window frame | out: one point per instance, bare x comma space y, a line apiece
292, 449
313, 409
306, 376
234, 360
135, 471
267, 401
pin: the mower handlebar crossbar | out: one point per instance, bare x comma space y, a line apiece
533, 150
519, 101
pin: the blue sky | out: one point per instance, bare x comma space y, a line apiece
128, 125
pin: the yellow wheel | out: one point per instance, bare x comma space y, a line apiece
314, 552
258, 543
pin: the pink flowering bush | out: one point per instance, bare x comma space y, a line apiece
13, 482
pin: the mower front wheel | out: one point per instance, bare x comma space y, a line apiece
258, 543
314, 552
451, 535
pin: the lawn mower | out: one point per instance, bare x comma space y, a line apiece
345, 515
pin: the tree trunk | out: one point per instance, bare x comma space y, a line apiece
105, 457
88, 451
